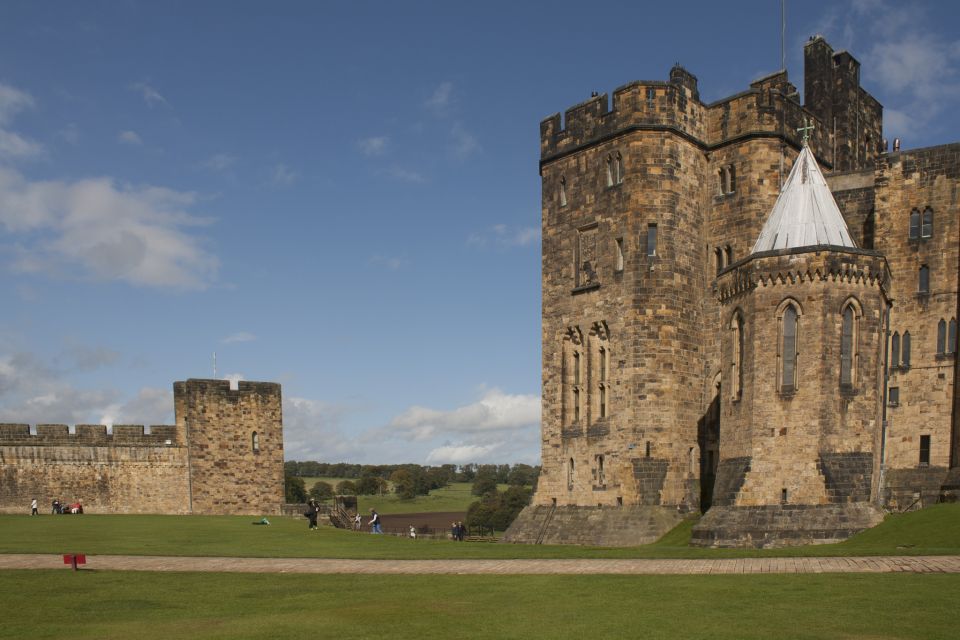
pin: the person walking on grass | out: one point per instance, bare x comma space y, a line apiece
313, 510
375, 522
33, 508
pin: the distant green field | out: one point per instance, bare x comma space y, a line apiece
159, 606
933, 531
454, 497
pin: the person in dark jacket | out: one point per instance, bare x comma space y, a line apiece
313, 510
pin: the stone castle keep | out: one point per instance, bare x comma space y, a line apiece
742, 323
224, 455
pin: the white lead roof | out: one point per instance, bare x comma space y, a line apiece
805, 214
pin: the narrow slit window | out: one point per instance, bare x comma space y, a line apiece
255, 442
942, 337
905, 350
603, 400
609, 171
728, 255
570, 474
736, 366
619, 169
925, 451
601, 474
718, 257
895, 350
619, 263
563, 192
651, 240
924, 285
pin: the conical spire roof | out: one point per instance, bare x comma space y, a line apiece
805, 214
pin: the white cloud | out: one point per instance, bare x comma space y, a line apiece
462, 454
311, 431
149, 94
105, 231
441, 98
12, 102
283, 176
495, 411
129, 137
505, 236
373, 146
220, 162
464, 142
13, 145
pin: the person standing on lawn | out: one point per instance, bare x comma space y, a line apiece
33, 508
375, 522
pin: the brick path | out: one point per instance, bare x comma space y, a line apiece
878, 564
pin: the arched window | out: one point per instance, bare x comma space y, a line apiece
926, 230
563, 191
846, 347
736, 364
619, 169
723, 178
924, 284
718, 256
729, 256
789, 325
914, 225
609, 171
941, 337
905, 350
895, 350
255, 442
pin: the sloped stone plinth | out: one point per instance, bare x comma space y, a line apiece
767, 527
600, 526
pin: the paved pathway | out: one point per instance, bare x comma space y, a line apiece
877, 564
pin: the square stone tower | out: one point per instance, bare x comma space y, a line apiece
234, 438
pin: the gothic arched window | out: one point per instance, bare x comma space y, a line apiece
789, 347
609, 171
619, 169
848, 337
563, 191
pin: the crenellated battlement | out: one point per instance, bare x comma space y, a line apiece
86, 435
769, 108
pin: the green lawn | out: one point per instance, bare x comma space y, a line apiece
147, 606
931, 531
454, 497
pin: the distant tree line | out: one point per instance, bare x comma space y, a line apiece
496, 509
406, 480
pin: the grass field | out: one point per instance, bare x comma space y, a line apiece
932, 531
89, 604
454, 497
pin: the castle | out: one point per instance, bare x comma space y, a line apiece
702, 352
224, 455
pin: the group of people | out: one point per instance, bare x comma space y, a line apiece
457, 531
56, 507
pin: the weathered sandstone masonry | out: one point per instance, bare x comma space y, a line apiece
224, 455
650, 194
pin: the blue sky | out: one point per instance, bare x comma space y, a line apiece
342, 198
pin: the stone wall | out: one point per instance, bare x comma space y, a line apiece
603, 526
907, 181
225, 455
120, 472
